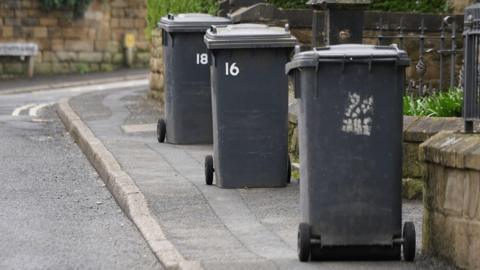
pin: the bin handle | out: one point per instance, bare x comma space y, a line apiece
315, 83
171, 16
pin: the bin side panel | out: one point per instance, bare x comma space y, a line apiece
351, 133
250, 111
188, 107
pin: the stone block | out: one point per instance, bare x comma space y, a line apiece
75, 33
57, 44
412, 167
460, 243
412, 189
156, 42
61, 68
143, 57
118, 58
113, 46
94, 67
40, 32
156, 82
48, 21
13, 68
78, 45
119, 3
107, 57
30, 21
474, 247
115, 23
49, 57
106, 67
472, 195
67, 56
157, 52
7, 31
472, 159
156, 65
90, 57
127, 23
43, 68
455, 192
426, 127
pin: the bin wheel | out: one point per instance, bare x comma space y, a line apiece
409, 242
289, 173
303, 242
209, 170
161, 131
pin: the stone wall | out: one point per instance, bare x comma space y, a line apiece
452, 198
458, 6
156, 66
67, 44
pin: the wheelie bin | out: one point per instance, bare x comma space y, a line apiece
188, 105
350, 124
250, 105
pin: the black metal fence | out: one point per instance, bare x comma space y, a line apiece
445, 51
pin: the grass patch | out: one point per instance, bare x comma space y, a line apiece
443, 104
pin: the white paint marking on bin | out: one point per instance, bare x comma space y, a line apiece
358, 115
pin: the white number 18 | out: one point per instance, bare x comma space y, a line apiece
202, 58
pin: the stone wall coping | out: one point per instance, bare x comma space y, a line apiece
451, 149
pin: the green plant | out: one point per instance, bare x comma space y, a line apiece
77, 6
431, 6
442, 104
158, 8
82, 68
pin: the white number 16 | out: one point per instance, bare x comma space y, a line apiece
231, 69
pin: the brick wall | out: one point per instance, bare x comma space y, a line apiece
66, 44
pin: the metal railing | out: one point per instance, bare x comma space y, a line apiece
446, 39
471, 109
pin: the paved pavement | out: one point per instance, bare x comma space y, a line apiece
55, 212
222, 229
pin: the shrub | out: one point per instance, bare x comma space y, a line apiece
432, 6
77, 6
442, 104
158, 8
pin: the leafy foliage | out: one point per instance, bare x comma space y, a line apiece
429, 6
158, 8
78, 6
432, 6
443, 104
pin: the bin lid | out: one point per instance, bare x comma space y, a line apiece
190, 22
349, 53
237, 36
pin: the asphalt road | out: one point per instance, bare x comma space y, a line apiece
55, 212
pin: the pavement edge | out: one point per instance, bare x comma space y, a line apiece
124, 190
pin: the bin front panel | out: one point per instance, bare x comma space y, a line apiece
250, 110
351, 150
188, 110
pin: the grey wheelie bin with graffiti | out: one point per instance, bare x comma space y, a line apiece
350, 124
188, 105
250, 105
